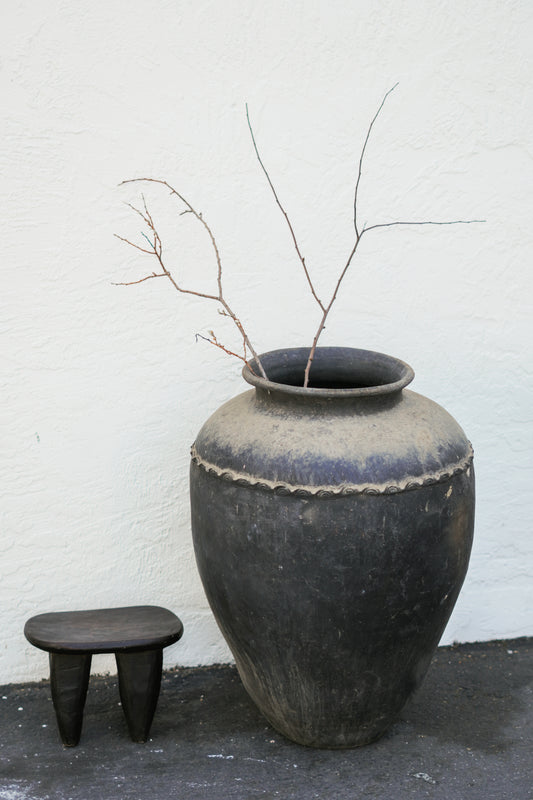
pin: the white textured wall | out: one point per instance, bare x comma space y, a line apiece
104, 388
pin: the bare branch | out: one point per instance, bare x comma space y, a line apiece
322, 324
376, 115
138, 211
428, 222
358, 236
141, 280
212, 339
157, 251
291, 229
327, 309
137, 247
191, 210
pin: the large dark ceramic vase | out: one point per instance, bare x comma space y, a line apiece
332, 528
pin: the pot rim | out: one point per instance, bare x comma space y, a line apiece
362, 373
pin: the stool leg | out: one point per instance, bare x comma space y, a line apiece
139, 681
69, 678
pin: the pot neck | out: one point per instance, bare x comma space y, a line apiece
342, 376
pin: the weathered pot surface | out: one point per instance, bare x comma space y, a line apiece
332, 530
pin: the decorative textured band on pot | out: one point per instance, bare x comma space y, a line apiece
343, 490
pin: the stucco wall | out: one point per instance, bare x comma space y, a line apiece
104, 387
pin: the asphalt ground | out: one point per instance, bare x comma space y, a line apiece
467, 734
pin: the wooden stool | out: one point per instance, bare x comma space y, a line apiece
136, 635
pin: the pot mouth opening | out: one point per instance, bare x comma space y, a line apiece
335, 372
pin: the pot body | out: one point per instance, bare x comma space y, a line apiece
332, 529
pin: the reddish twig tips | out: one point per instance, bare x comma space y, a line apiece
156, 250
212, 339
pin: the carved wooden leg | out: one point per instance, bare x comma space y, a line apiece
139, 681
69, 678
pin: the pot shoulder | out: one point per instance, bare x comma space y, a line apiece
329, 445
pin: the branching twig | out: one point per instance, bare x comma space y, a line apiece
212, 339
358, 236
345, 270
156, 250
326, 308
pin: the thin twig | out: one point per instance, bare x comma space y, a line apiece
212, 339
358, 237
291, 229
426, 222
137, 246
322, 324
376, 115
157, 251
141, 280
327, 309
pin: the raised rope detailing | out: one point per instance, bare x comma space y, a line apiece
343, 489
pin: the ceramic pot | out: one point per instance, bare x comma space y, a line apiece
332, 528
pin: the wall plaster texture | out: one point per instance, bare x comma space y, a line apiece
104, 387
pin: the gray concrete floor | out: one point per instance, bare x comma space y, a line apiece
467, 734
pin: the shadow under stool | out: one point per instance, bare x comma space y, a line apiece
135, 634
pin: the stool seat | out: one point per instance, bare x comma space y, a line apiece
135, 634
104, 630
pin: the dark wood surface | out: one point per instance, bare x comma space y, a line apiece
106, 630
